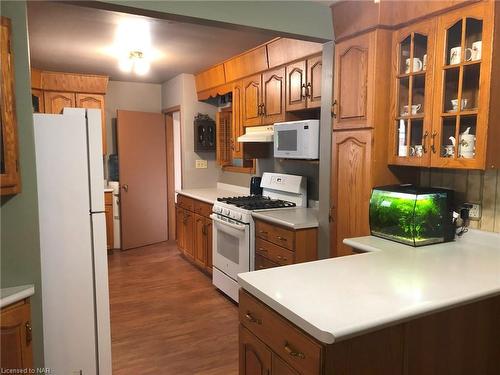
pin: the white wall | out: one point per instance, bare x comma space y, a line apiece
181, 91
131, 96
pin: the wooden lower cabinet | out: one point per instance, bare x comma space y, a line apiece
108, 210
194, 231
270, 344
15, 336
279, 246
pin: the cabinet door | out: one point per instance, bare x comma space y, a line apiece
10, 180
108, 209
179, 227
296, 86
273, 91
462, 88
200, 240
280, 367
411, 94
208, 230
255, 357
15, 336
94, 101
223, 134
252, 100
237, 123
313, 87
354, 80
189, 233
350, 187
56, 101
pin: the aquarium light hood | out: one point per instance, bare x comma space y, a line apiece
258, 134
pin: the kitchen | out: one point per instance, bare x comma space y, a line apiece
377, 141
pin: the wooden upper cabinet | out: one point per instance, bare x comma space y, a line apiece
296, 86
252, 100
255, 357
313, 86
210, 78
37, 101
354, 80
247, 63
56, 101
351, 186
10, 180
237, 121
94, 101
411, 94
273, 92
284, 50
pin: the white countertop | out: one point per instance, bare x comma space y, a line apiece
8, 296
210, 195
338, 298
295, 218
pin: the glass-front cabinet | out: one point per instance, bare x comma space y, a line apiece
442, 82
413, 52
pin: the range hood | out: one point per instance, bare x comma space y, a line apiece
258, 134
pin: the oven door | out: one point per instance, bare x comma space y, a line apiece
231, 246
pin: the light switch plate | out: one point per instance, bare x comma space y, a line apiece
201, 164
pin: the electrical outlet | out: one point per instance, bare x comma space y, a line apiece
201, 164
475, 211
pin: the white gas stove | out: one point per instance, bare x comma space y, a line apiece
233, 226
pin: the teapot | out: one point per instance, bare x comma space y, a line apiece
467, 144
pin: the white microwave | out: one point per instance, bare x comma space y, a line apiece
296, 139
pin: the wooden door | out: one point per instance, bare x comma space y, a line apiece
143, 178
10, 179
467, 81
313, 86
200, 240
280, 367
237, 128
224, 138
412, 87
255, 357
94, 101
189, 233
252, 100
296, 86
37, 100
208, 226
354, 75
350, 187
15, 337
179, 227
273, 92
56, 101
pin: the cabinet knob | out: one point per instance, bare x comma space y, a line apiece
293, 353
252, 319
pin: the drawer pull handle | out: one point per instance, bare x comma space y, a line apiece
261, 249
282, 258
293, 353
252, 319
281, 238
262, 232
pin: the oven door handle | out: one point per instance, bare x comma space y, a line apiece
241, 227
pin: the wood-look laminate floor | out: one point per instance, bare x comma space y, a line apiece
166, 316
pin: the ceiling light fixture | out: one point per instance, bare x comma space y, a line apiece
135, 61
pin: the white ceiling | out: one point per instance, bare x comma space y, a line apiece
71, 38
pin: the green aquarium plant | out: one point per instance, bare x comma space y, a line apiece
412, 215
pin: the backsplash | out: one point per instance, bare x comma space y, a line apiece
471, 186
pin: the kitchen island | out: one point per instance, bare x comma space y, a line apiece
392, 308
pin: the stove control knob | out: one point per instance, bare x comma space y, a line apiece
226, 212
240, 216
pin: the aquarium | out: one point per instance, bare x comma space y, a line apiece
412, 215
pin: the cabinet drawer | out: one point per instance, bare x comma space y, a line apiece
108, 198
295, 347
185, 202
202, 208
263, 263
273, 252
277, 235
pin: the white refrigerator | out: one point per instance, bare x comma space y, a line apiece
75, 296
